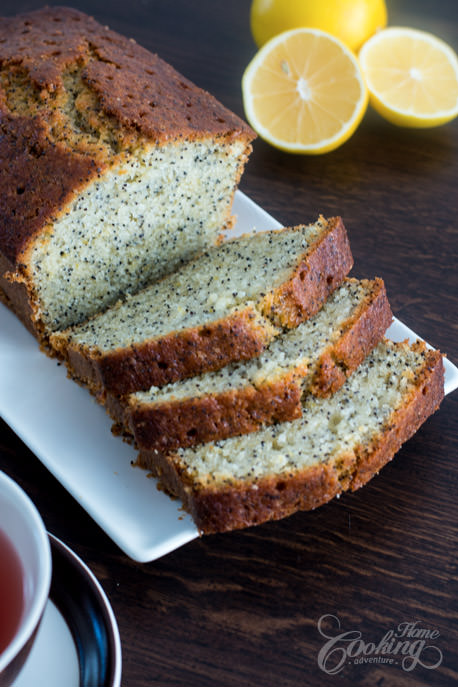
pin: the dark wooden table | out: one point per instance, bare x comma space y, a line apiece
243, 609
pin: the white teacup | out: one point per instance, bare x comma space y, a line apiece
24, 528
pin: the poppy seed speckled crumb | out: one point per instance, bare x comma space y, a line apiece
338, 443
114, 168
225, 305
316, 357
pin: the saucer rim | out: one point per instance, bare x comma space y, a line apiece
90, 586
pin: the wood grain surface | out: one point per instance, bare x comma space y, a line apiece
243, 609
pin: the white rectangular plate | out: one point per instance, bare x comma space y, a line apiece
62, 424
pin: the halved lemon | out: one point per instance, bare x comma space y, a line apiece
304, 92
412, 77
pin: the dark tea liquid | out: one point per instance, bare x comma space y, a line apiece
11, 591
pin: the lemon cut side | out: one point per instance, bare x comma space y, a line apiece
304, 92
412, 77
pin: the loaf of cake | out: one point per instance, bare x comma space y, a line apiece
316, 357
223, 306
114, 168
338, 443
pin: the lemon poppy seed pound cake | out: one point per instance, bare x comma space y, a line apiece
114, 168
316, 357
339, 443
225, 305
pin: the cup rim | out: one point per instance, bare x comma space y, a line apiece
30, 622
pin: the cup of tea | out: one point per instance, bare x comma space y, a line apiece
25, 577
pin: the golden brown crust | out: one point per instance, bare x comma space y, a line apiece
314, 279
191, 421
214, 416
38, 177
240, 336
360, 333
135, 87
15, 296
76, 98
155, 362
424, 400
245, 503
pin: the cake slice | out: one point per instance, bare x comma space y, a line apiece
316, 357
224, 306
114, 168
339, 443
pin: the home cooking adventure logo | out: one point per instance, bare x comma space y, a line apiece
408, 645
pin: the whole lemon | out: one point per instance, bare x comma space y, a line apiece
353, 21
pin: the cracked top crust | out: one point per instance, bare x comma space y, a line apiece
74, 96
